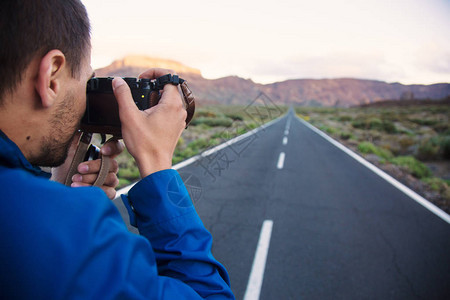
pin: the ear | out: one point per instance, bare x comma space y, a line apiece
50, 74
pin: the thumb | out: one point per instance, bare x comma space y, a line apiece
123, 95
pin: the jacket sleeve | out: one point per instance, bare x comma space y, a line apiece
161, 208
71, 243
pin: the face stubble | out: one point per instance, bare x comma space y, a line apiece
64, 124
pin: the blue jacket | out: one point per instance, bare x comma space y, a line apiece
71, 243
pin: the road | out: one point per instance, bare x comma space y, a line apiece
339, 231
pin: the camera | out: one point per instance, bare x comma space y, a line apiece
102, 110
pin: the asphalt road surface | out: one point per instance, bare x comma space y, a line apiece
337, 230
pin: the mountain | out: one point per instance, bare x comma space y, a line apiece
349, 92
313, 92
134, 64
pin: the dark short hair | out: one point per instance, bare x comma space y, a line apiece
34, 27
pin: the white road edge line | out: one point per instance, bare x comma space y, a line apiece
285, 140
280, 163
259, 263
419, 199
193, 159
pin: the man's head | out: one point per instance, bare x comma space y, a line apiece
44, 66
30, 28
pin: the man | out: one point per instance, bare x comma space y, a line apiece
61, 242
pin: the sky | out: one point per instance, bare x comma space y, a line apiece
404, 41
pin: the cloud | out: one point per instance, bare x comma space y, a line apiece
334, 65
435, 58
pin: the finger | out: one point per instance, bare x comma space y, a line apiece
156, 72
93, 167
122, 92
171, 95
80, 184
110, 192
112, 148
111, 179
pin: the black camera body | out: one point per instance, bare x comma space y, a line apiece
102, 110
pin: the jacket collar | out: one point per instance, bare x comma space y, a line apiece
12, 157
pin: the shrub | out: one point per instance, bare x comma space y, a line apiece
374, 124
302, 111
445, 147
436, 184
241, 130
439, 185
366, 147
327, 110
434, 148
369, 148
224, 135
130, 173
415, 167
188, 152
345, 118
176, 159
346, 135
182, 155
123, 182
251, 125
424, 122
428, 149
202, 126
406, 142
205, 114
304, 117
180, 142
214, 142
389, 127
213, 122
327, 129
359, 123
234, 116
198, 144
443, 128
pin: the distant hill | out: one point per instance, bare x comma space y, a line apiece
313, 92
409, 103
134, 64
350, 92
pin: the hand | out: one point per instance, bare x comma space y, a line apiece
88, 170
151, 135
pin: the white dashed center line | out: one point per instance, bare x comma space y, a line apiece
280, 163
259, 262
